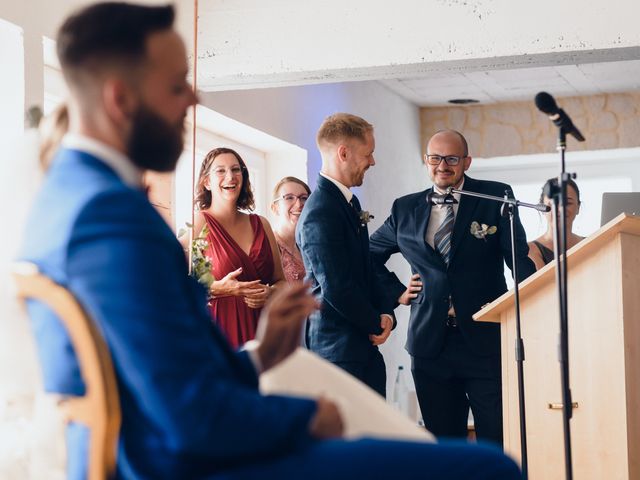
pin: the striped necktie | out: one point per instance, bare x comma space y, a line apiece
442, 238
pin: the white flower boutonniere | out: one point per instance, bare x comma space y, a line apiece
481, 231
365, 217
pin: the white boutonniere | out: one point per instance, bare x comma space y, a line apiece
481, 231
365, 217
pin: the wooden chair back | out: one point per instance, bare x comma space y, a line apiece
99, 408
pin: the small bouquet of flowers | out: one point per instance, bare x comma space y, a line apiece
201, 265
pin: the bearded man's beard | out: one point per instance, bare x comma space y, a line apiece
154, 143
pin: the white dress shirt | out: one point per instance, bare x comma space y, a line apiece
348, 194
438, 213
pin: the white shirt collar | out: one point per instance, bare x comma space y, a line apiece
123, 166
348, 195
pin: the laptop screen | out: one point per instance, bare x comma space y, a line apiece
614, 203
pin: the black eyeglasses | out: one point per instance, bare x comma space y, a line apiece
451, 160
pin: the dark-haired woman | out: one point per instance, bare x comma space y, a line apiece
541, 249
241, 246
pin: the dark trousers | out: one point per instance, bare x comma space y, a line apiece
454, 381
371, 372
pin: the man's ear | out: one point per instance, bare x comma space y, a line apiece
119, 100
467, 163
342, 152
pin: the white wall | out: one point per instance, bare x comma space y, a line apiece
294, 115
12, 81
597, 171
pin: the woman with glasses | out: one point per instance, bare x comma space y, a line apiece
541, 249
241, 246
289, 197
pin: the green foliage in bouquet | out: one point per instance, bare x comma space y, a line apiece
200, 264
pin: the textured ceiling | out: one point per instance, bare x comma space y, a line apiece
436, 89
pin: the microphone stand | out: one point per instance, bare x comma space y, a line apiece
509, 206
557, 192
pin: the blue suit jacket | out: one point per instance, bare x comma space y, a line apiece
335, 250
190, 405
475, 275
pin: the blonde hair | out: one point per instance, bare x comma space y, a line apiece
289, 180
52, 128
342, 126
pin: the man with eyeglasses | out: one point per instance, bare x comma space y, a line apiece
457, 253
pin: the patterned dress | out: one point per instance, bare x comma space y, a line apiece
292, 265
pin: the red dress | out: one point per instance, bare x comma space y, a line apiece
236, 320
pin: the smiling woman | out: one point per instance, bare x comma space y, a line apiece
241, 246
289, 196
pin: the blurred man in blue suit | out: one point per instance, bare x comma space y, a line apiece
190, 405
458, 252
333, 238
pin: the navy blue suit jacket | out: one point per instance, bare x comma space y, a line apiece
335, 249
475, 275
190, 405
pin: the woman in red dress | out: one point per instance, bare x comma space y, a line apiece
242, 248
289, 197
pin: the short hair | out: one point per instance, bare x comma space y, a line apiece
289, 180
107, 34
203, 197
463, 141
342, 126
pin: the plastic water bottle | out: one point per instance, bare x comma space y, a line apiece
400, 397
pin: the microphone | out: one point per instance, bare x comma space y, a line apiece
435, 198
541, 207
547, 104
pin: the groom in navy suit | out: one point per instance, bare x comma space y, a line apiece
191, 408
333, 238
456, 252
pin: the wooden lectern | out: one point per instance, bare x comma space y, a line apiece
604, 359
